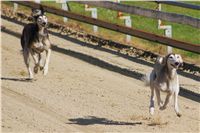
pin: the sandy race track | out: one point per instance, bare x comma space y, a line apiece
86, 90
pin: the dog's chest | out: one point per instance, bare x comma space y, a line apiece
38, 47
169, 85
42, 34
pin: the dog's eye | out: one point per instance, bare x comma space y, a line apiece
39, 19
170, 57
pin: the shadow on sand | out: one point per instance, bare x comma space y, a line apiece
17, 79
92, 120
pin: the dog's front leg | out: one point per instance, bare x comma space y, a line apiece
176, 104
167, 99
48, 53
41, 61
47, 47
152, 99
26, 55
36, 60
159, 101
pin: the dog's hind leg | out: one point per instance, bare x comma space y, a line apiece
152, 99
26, 55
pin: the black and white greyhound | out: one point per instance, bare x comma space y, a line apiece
35, 41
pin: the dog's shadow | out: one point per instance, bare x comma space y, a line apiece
18, 79
92, 120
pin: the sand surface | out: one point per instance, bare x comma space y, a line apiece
86, 90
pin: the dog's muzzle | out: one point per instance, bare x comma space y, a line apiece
44, 24
177, 63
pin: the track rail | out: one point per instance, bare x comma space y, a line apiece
126, 30
180, 4
172, 17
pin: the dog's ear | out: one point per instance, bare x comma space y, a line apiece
162, 60
159, 60
166, 58
42, 10
180, 61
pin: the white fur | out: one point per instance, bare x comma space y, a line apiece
164, 78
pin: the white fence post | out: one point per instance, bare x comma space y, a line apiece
15, 7
128, 22
94, 15
167, 28
64, 7
37, 1
168, 33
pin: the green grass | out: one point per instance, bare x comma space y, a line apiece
180, 32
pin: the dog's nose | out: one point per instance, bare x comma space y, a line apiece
44, 23
176, 63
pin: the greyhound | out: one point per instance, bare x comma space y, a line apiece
164, 78
35, 41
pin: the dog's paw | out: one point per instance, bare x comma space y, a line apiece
161, 103
151, 110
36, 69
179, 114
45, 71
31, 76
41, 68
30, 79
162, 108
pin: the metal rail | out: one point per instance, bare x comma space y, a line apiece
180, 4
126, 30
171, 17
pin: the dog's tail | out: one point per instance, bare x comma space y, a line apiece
148, 77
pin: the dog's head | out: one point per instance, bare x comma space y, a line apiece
39, 17
37, 12
172, 61
42, 21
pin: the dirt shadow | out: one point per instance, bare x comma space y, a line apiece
97, 62
92, 120
18, 79
189, 94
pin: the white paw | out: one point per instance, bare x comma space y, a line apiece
161, 103
31, 77
151, 110
45, 71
